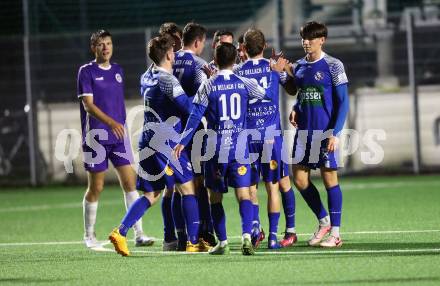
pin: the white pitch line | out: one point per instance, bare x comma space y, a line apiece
347, 186
57, 206
370, 232
312, 252
380, 232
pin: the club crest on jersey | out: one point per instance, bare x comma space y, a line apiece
118, 77
169, 171
242, 170
319, 76
273, 165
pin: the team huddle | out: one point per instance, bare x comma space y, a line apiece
213, 126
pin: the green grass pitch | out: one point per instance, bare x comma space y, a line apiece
391, 233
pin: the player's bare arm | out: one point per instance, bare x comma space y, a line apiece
116, 127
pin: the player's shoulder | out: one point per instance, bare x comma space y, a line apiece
298, 63
86, 67
116, 66
333, 62
148, 78
264, 62
199, 61
336, 68
164, 78
246, 80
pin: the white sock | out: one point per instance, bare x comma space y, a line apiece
325, 221
335, 231
290, 230
223, 243
245, 235
130, 198
89, 214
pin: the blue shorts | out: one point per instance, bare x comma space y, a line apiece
323, 158
111, 150
156, 172
218, 176
274, 168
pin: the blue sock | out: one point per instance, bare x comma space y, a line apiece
191, 214
246, 213
313, 200
335, 205
179, 222
273, 225
288, 199
134, 213
205, 211
168, 223
219, 221
256, 216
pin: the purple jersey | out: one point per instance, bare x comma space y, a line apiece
316, 82
107, 88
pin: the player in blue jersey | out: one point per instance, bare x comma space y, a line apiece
224, 99
165, 103
319, 115
172, 29
220, 36
189, 68
264, 116
101, 92
170, 242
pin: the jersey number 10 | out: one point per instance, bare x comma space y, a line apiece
234, 109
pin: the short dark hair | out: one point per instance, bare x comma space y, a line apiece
225, 55
100, 34
313, 30
219, 33
170, 28
192, 32
241, 39
158, 47
254, 42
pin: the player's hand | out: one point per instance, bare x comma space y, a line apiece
208, 71
275, 56
289, 69
279, 65
117, 129
293, 118
177, 151
332, 144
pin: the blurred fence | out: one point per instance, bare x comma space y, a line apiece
56, 52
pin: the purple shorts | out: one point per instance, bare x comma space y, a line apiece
117, 153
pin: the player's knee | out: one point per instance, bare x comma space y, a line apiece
128, 186
96, 188
153, 197
301, 183
285, 185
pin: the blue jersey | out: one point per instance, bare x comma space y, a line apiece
317, 83
164, 98
224, 100
263, 113
188, 70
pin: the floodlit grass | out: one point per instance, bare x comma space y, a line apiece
390, 228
